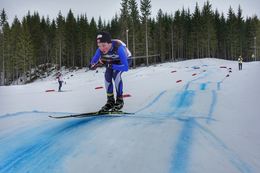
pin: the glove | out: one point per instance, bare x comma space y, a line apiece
92, 66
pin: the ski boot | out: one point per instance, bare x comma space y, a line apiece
109, 105
118, 104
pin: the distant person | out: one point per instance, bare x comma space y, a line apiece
60, 80
240, 61
114, 54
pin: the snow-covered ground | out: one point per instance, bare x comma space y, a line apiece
193, 116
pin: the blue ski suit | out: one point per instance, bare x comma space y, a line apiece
117, 61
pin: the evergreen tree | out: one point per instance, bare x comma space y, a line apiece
8, 54
177, 33
25, 51
16, 30
223, 37
92, 37
71, 39
146, 12
89, 42
134, 18
59, 42
72, 42
124, 20
196, 32
115, 27
251, 35
209, 39
240, 31
183, 34
100, 25
82, 35
257, 41
187, 35
47, 40
3, 22
220, 25
231, 35
153, 40
52, 36
160, 35
34, 26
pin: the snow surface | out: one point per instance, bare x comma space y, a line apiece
208, 122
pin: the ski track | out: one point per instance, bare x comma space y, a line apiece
51, 143
47, 146
182, 150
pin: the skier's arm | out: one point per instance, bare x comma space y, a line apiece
95, 58
122, 52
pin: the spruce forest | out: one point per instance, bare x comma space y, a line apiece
70, 41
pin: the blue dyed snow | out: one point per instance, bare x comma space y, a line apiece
182, 153
203, 86
152, 102
43, 152
212, 106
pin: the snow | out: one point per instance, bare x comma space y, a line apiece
208, 122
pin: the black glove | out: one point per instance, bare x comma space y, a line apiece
92, 66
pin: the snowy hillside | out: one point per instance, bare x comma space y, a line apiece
190, 117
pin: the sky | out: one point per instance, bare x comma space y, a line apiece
108, 8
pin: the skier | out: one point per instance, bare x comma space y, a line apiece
240, 61
114, 54
60, 80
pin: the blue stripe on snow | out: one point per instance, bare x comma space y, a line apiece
218, 85
152, 102
184, 99
240, 165
43, 152
203, 86
181, 156
212, 106
187, 86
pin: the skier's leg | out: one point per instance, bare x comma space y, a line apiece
108, 81
109, 89
118, 82
119, 89
60, 85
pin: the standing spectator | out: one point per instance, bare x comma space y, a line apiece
60, 80
240, 61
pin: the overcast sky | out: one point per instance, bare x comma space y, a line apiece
108, 8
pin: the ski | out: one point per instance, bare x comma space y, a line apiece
93, 114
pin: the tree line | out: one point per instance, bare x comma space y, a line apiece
71, 41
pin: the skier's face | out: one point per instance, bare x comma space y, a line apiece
104, 47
